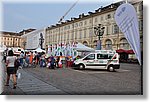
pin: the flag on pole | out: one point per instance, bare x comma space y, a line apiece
126, 19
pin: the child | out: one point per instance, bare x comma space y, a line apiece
48, 63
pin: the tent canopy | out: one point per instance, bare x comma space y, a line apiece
81, 47
39, 50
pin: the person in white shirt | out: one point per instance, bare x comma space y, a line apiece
10, 68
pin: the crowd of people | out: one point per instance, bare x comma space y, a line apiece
33, 59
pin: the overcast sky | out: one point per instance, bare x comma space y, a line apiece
18, 15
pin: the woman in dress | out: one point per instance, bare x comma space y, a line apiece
10, 68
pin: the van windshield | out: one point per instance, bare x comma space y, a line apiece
104, 56
83, 54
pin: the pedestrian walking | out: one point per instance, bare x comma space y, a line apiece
35, 58
52, 62
26, 60
11, 69
57, 60
48, 62
31, 58
42, 61
22, 58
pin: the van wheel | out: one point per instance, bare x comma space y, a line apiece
111, 68
81, 66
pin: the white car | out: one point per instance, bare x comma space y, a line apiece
102, 59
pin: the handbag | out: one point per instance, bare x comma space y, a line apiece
16, 64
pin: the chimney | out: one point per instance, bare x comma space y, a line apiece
89, 12
72, 19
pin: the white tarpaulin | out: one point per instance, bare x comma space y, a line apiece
81, 47
126, 19
39, 50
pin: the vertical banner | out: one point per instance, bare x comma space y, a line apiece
126, 19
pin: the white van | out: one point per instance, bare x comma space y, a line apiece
17, 50
102, 59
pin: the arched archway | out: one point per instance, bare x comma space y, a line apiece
124, 44
108, 44
85, 43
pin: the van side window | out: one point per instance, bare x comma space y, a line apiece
102, 56
19, 49
90, 57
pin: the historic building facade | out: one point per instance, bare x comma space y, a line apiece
10, 39
81, 29
13, 39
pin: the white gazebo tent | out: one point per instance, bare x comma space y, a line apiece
82, 50
81, 47
39, 50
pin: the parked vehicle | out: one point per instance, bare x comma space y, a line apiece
102, 59
17, 50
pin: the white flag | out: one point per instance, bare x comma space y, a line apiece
126, 19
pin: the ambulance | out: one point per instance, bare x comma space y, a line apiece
100, 59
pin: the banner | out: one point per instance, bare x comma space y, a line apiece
126, 19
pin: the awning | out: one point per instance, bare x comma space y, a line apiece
120, 51
125, 51
130, 51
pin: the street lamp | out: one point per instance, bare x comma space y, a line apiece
99, 31
41, 41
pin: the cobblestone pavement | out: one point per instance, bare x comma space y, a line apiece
29, 85
39, 81
126, 80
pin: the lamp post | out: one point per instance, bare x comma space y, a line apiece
41, 41
24, 44
99, 31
